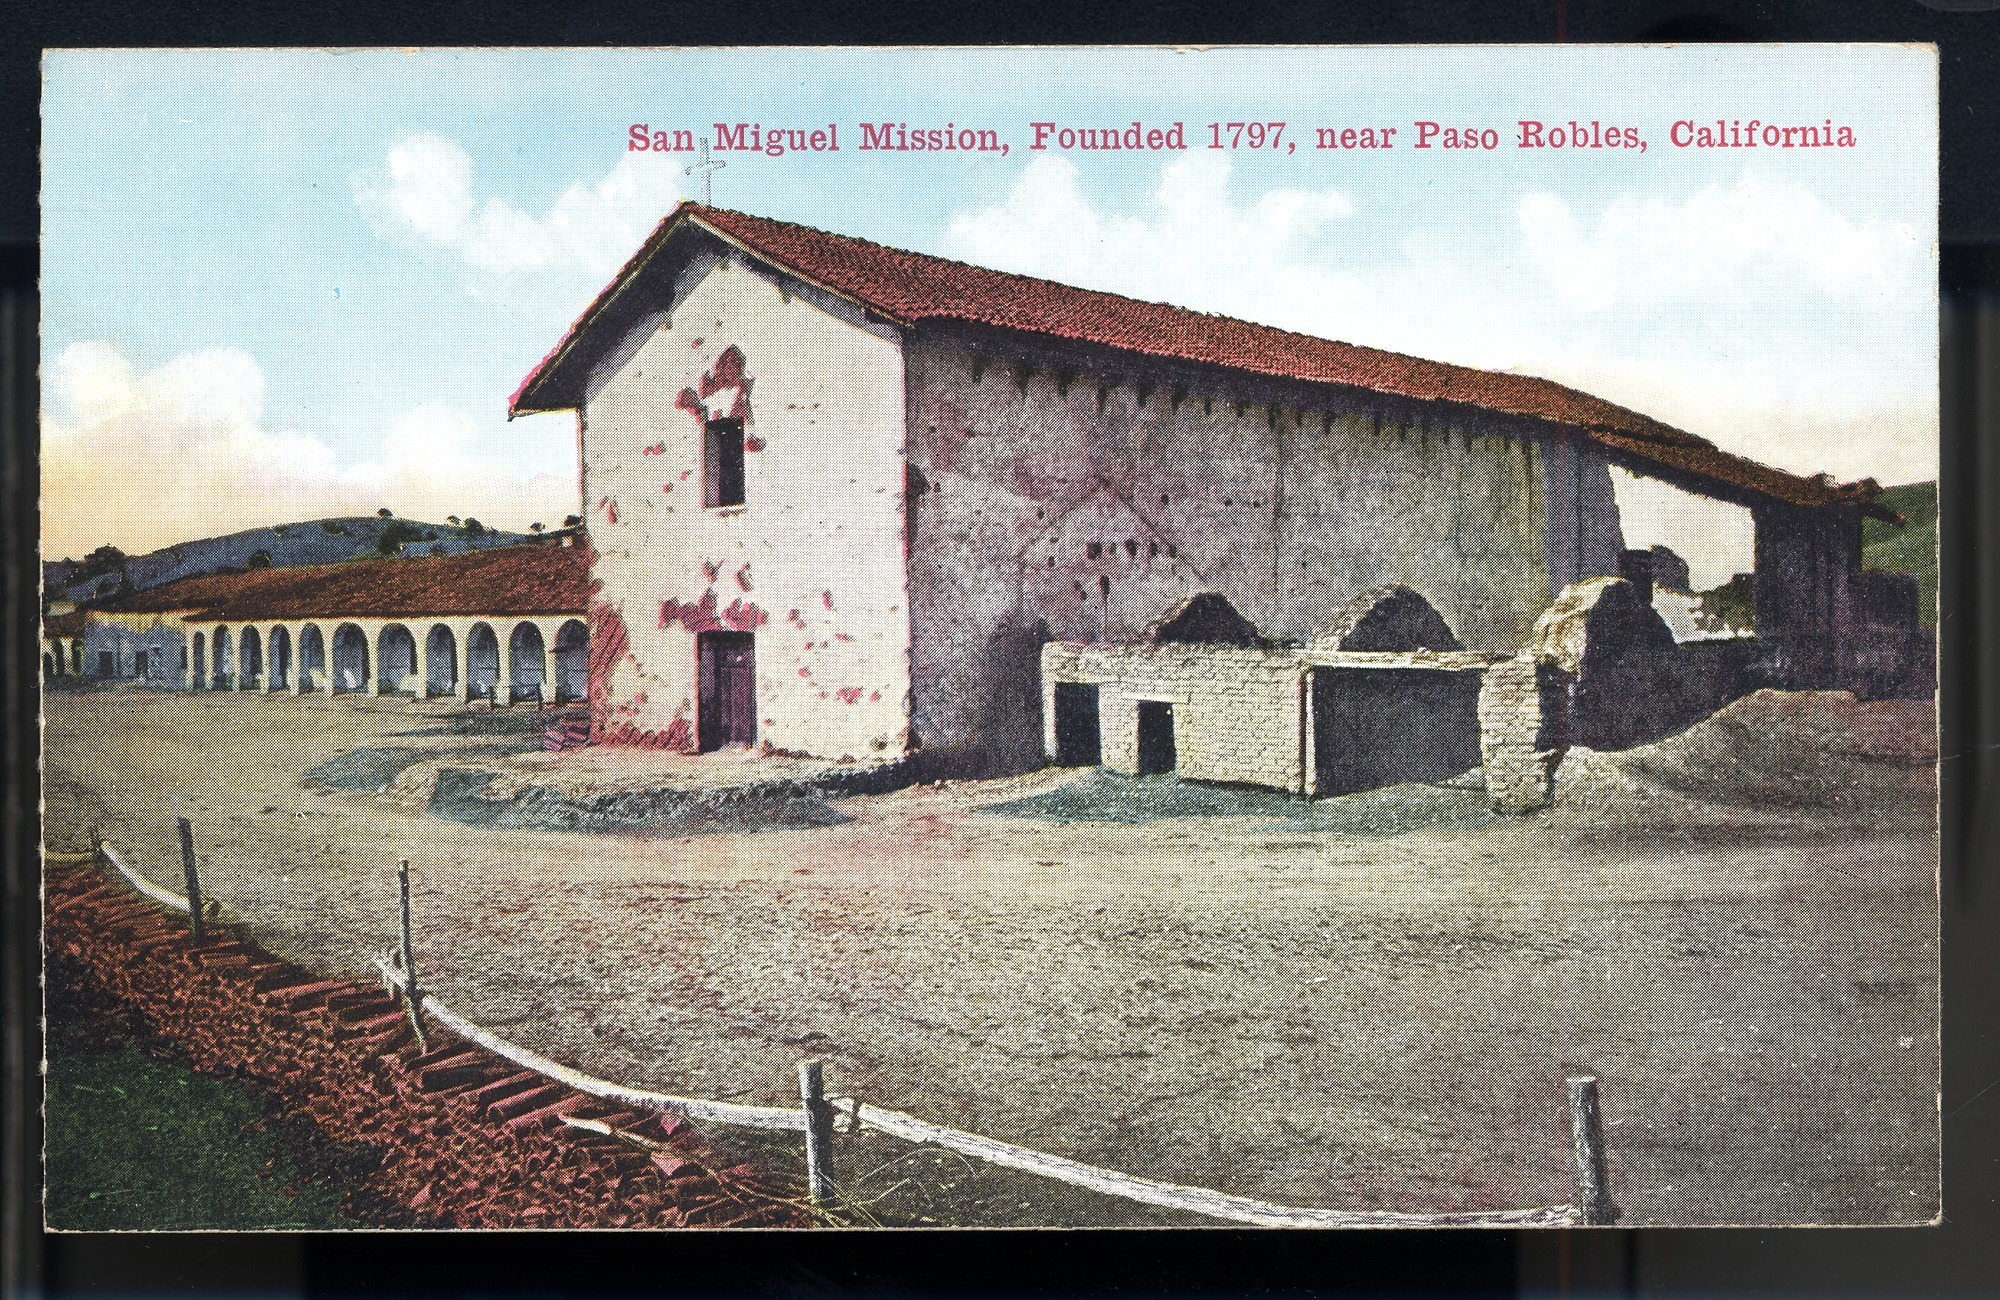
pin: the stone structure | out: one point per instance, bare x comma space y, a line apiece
1522, 733
1317, 720
842, 495
1601, 670
1206, 712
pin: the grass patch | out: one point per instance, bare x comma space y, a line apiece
1911, 548
373, 767
135, 1143
1105, 796
661, 813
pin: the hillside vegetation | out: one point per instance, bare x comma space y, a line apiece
1911, 548
281, 546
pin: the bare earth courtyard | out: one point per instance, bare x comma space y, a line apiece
1735, 929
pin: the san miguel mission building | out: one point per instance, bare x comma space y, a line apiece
865, 504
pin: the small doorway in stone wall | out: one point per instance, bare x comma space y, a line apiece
1078, 742
728, 689
1156, 737
1375, 727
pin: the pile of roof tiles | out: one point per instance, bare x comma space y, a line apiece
466, 1139
572, 733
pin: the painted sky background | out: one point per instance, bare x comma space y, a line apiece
284, 284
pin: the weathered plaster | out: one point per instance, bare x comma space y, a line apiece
1054, 497
811, 563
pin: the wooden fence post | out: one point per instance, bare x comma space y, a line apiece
1586, 1130
819, 1133
193, 881
412, 1000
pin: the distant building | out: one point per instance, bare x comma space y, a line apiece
504, 625
840, 496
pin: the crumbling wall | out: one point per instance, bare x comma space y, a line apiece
1583, 536
810, 563
1387, 618
1073, 495
1892, 655
1523, 732
1805, 558
1238, 714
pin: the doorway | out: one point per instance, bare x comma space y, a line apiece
1374, 727
1078, 743
728, 704
1156, 737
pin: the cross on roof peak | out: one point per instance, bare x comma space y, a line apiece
705, 168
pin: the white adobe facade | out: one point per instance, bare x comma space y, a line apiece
840, 496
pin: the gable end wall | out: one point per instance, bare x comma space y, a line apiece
811, 563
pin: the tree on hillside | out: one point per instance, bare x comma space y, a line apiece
396, 536
572, 521
535, 527
102, 560
473, 528
259, 560
383, 513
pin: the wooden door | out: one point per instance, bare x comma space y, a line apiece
1156, 738
728, 685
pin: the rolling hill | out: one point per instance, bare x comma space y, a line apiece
1911, 548
311, 541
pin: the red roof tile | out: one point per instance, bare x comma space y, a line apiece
911, 288
539, 578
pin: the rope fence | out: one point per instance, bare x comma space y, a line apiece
820, 1116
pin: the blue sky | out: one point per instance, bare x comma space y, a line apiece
280, 283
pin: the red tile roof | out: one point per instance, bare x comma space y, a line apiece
538, 578
911, 288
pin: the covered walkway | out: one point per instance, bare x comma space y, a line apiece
505, 626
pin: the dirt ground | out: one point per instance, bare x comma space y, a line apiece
1736, 930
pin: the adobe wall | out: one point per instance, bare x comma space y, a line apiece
1238, 714
1053, 498
1805, 558
811, 563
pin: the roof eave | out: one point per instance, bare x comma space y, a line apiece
525, 400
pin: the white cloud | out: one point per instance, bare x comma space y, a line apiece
424, 195
1648, 250
1193, 246
1755, 314
141, 460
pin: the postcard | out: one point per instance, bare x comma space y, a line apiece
1059, 637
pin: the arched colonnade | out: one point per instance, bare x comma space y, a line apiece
507, 660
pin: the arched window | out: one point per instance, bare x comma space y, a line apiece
350, 659
396, 659
312, 657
